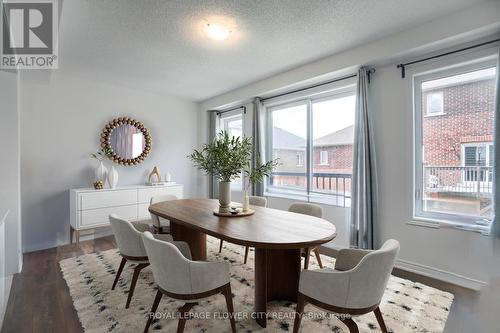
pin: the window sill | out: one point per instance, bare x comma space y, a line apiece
434, 115
440, 224
317, 198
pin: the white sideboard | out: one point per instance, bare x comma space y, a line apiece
90, 209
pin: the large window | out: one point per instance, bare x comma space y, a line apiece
453, 152
313, 140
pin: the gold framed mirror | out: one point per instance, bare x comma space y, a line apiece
127, 140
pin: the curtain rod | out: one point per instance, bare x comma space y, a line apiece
314, 86
232, 109
402, 66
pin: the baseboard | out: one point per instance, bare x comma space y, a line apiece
54, 243
441, 275
5, 284
423, 270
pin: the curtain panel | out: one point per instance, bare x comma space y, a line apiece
213, 186
258, 142
495, 227
363, 193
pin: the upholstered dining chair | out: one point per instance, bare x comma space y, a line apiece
129, 240
161, 225
312, 210
354, 287
254, 201
190, 281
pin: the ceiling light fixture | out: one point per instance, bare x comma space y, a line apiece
217, 31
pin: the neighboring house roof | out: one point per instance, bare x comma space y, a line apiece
285, 140
344, 136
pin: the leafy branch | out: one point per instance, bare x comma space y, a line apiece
102, 154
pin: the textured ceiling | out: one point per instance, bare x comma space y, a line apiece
157, 45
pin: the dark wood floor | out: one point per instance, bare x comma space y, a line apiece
39, 298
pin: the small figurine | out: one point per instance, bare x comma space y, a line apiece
98, 185
155, 172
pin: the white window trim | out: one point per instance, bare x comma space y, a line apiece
430, 114
476, 61
325, 161
344, 89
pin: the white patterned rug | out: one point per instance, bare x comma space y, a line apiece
407, 306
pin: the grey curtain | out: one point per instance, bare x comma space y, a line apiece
258, 150
363, 191
495, 228
213, 118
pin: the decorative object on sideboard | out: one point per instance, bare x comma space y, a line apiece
154, 172
168, 177
98, 185
128, 140
225, 158
113, 178
101, 172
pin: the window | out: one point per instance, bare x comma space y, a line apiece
453, 154
233, 124
477, 159
434, 103
323, 157
313, 140
300, 159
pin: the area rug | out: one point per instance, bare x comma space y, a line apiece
407, 306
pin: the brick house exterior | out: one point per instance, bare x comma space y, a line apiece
460, 120
468, 111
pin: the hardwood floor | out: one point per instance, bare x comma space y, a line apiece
39, 298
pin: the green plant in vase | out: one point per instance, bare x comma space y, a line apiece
225, 158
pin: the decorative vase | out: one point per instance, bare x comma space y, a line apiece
113, 178
168, 177
101, 172
246, 201
224, 197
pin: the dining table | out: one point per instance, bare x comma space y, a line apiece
279, 238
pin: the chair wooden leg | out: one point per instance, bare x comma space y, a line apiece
318, 257
353, 328
298, 312
137, 270
380, 319
156, 302
229, 302
246, 254
182, 318
308, 256
119, 272
220, 246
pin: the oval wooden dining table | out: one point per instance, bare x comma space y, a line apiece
277, 236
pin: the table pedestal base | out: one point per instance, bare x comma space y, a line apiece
197, 240
277, 274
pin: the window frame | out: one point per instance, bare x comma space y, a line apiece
459, 65
337, 90
434, 114
221, 124
324, 162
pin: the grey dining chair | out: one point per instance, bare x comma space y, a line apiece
354, 287
190, 281
161, 224
312, 210
254, 201
131, 247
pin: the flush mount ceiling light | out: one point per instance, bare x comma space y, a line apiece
218, 31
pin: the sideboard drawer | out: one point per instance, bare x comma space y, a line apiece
92, 200
145, 194
101, 216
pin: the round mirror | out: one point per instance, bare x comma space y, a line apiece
127, 140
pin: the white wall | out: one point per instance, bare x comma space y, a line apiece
61, 122
9, 171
